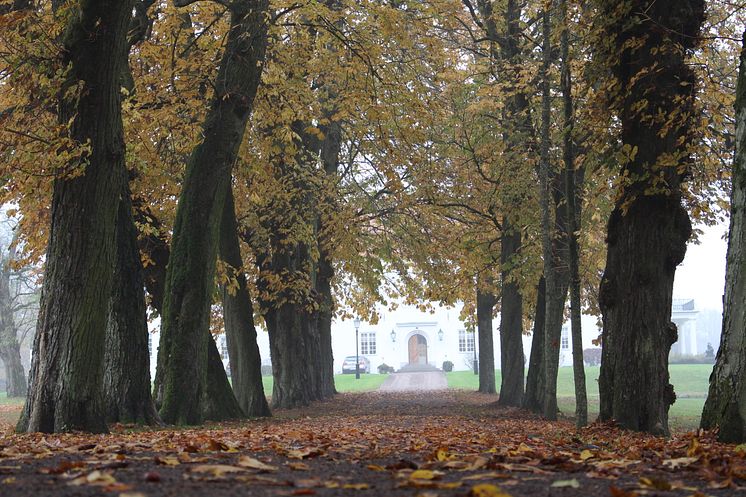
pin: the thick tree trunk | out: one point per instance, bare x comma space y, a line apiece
10, 349
238, 316
573, 226
324, 323
485, 305
183, 354
127, 361
535, 379
65, 391
291, 367
726, 402
648, 228
512, 361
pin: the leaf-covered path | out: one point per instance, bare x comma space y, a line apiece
447, 443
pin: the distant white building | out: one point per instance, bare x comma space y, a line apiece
684, 315
408, 335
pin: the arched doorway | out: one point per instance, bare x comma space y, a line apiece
417, 349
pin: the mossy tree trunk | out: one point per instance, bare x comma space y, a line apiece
238, 316
485, 307
65, 391
649, 227
183, 355
726, 402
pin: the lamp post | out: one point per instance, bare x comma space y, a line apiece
357, 356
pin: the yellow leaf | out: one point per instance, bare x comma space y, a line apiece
422, 474
586, 454
487, 490
356, 486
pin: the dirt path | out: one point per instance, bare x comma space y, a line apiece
415, 382
445, 443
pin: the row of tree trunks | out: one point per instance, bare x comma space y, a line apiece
237, 312
181, 380
66, 375
726, 402
649, 227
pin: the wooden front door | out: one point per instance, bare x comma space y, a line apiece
417, 349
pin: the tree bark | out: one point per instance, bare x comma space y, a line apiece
554, 238
485, 305
127, 359
512, 360
573, 226
65, 390
238, 316
10, 348
220, 402
329, 153
532, 399
648, 228
554, 303
291, 367
183, 354
725, 407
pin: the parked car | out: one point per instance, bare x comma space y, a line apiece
348, 366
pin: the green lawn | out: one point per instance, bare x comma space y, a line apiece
343, 382
690, 382
5, 401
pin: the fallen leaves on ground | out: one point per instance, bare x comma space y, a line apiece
427, 445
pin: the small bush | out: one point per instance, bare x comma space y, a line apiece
266, 369
447, 366
690, 359
592, 356
385, 368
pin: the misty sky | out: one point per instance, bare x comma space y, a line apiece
702, 274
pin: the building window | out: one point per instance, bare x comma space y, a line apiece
223, 348
368, 343
465, 341
565, 339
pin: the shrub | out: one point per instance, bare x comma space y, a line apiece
592, 356
266, 369
447, 366
690, 359
385, 368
